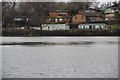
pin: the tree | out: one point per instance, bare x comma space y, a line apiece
37, 11
8, 12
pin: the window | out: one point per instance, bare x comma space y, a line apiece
93, 26
79, 26
63, 13
83, 27
60, 19
56, 20
49, 19
93, 18
48, 28
90, 27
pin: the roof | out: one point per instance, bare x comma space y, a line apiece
20, 17
109, 10
59, 11
94, 22
59, 17
96, 9
90, 14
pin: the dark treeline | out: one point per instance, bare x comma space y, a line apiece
36, 11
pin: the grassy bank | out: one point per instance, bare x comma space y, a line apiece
30, 32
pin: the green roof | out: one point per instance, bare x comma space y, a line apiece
109, 10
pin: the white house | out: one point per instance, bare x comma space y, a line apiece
92, 26
55, 27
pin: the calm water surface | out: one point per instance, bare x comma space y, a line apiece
59, 57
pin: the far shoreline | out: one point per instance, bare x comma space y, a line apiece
56, 33
64, 36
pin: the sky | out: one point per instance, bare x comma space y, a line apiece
63, 0
86, 0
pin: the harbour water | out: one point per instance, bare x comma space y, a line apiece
59, 57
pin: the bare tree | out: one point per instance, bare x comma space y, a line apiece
8, 12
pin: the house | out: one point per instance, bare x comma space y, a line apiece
110, 12
57, 20
21, 20
55, 27
58, 16
93, 26
86, 16
91, 15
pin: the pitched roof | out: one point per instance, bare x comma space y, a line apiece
67, 17
96, 9
90, 14
59, 11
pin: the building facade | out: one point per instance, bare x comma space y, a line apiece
92, 15
78, 18
86, 16
55, 27
92, 26
58, 16
21, 20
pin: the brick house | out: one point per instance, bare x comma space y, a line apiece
58, 16
86, 16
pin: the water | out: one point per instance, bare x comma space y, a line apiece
59, 57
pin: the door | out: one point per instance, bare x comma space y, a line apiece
90, 27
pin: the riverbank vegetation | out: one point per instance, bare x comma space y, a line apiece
75, 32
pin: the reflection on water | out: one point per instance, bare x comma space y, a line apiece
49, 43
82, 43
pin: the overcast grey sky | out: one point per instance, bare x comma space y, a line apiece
62, 0
87, 0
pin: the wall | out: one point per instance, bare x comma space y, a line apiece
55, 27
109, 16
53, 13
78, 19
94, 18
